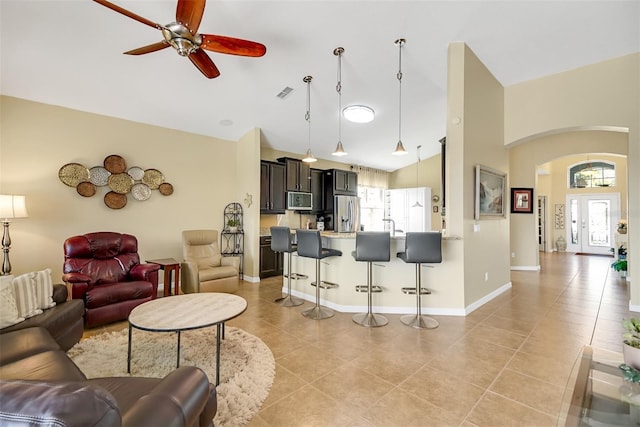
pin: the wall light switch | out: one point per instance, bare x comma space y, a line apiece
476, 228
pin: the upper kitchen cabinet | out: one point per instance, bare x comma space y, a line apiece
297, 175
272, 193
317, 191
341, 182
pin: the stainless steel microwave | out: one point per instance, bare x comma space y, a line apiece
298, 201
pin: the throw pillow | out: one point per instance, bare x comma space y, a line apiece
44, 289
8, 307
24, 287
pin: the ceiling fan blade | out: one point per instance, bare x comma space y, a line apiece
189, 13
232, 46
131, 15
148, 49
201, 60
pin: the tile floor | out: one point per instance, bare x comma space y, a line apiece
505, 364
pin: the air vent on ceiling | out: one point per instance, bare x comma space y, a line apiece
285, 92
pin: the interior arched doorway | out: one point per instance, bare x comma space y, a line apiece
524, 158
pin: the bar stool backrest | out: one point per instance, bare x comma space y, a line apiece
373, 246
423, 247
309, 243
281, 239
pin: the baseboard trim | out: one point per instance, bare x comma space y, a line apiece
482, 301
525, 268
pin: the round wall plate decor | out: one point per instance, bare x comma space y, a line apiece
115, 200
136, 173
115, 164
73, 174
153, 178
140, 191
86, 189
99, 175
120, 183
165, 189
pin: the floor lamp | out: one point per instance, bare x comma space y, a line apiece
11, 206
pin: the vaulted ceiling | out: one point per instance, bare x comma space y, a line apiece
69, 53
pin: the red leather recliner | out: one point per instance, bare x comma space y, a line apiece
104, 270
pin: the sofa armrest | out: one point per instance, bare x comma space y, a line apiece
60, 293
56, 403
178, 399
232, 261
143, 272
189, 277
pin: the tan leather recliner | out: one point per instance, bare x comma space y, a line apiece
203, 268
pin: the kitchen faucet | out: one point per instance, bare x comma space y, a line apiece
393, 224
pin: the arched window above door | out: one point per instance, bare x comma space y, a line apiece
589, 174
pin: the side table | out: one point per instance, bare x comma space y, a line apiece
169, 265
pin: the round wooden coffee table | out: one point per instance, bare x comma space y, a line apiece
186, 312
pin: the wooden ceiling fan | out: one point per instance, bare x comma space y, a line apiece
183, 36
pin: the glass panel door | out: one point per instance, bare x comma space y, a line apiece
592, 219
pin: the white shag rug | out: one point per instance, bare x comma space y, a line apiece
247, 366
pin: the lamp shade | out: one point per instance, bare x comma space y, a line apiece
12, 206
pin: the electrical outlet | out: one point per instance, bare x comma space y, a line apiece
486, 276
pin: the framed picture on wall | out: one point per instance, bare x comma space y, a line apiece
522, 200
490, 193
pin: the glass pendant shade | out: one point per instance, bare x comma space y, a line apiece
339, 150
400, 151
308, 158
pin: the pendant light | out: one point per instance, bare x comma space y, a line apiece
308, 158
339, 149
399, 147
417, 204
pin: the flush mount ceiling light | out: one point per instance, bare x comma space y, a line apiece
308, 158
339, 149
400, 151
358, 113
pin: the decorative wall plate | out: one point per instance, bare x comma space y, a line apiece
153, 178
166, 189
86, 189
115, 200
115, 164
73, 174
136, 173
99, 175
120, 183
140, 191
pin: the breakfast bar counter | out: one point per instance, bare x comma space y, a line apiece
392, 276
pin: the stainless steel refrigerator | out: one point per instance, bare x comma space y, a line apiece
346, 214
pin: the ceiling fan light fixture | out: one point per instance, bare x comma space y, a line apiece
358, 113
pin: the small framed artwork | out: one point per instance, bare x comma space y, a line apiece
522, 200
490, 193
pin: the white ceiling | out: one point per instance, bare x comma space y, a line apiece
69, 53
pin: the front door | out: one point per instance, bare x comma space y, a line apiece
592, 219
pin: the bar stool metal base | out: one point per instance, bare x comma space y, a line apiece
370, 320
289, 301
326, 285
296, 276
419, 321
318, 313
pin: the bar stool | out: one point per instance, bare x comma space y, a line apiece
420, 247
281, 242
371, 246
310, 246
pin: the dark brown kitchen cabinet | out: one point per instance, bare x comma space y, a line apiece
342, 182
270, 261
317, 191
272, 193
297, 175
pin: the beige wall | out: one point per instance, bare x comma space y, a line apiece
37, 139
602, 96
